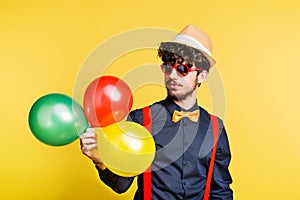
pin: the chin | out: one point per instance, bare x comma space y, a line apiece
174, 96
179, 96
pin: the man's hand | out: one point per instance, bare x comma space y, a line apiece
89, 147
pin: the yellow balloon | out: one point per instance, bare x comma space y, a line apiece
126, 148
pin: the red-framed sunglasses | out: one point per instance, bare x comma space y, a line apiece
181, 69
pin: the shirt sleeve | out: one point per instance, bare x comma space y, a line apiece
221, 178
117, 183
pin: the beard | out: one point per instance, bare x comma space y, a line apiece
184, 94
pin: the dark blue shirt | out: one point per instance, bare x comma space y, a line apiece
183, 151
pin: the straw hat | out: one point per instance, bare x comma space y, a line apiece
196, 38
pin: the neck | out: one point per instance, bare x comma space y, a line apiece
185, 103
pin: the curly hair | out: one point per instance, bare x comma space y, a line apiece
171, 52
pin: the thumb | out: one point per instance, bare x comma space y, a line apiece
90, 130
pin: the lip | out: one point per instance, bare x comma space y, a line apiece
173, 86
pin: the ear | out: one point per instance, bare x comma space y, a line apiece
202, 76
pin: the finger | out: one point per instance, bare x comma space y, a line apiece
88, 135
90, 130
89, 141
89, 147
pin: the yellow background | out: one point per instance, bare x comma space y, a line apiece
256, 45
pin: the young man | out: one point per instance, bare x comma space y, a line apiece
184, 141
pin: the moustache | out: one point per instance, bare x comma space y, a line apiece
172, 82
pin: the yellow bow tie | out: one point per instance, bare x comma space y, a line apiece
178, 115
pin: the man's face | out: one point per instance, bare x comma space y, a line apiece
181, 87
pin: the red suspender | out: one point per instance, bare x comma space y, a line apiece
147, 174
215, 129
147, 122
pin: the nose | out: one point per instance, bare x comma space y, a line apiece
173, 74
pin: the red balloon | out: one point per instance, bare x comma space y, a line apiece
107, 100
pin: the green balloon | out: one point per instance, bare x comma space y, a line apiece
57, 119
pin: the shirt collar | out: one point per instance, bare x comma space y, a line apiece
171, 106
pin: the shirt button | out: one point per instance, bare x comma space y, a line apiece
184, 183
185, 163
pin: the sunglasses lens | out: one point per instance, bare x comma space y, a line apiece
182, 70
166, 68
